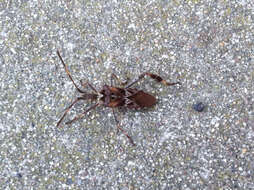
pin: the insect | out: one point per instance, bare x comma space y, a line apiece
113, 97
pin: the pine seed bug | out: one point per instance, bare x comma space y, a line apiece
114, 97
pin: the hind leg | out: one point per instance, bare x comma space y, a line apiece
153, 76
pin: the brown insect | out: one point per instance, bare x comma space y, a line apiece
114, 97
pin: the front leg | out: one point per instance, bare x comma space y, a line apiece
84, 84
113, 76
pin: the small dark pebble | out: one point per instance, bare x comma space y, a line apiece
199, 107
19, 175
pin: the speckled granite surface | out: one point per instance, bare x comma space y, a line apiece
207, 45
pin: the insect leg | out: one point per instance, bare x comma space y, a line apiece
82, 114
121, 129
113, 76
68, 72
153, 76
86, 83
68, 109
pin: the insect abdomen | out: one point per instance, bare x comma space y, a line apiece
143, 99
